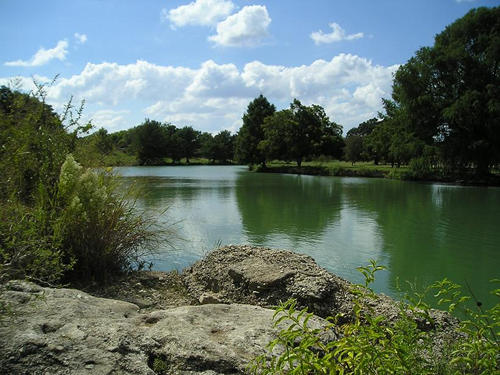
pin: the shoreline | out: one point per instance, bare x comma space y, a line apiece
393, 174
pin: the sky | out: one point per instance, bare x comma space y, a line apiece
199, 63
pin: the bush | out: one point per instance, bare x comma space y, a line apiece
58, 220
98, 225
369, 345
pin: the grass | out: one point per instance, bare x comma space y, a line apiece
336, 168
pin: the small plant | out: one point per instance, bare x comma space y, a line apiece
369, 344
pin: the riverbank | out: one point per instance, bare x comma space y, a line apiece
215, 316
370, 170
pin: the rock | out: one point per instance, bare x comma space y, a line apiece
209, 298
59, 333
262, 276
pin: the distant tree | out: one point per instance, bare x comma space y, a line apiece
363, 131
450, 93
103, 141
279, 132
299, 132
331, 142
151, 142
174, 143
251, 132
189, 142
353, 148
378, 143
221, 147
206, 141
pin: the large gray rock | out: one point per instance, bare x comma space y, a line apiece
264, 277
66, 331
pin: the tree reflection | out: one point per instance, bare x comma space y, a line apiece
296, 206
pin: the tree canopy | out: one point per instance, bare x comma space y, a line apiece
251, 132
448, 95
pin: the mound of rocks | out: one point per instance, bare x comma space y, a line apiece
264, 277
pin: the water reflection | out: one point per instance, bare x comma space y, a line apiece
434, 231
300, 207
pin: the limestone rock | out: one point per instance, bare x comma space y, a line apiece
66, 331
262, 276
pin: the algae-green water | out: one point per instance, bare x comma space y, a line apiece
420, 232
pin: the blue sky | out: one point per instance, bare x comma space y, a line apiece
199, 63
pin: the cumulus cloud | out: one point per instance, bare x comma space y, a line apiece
199, 12
80, 38
109, 119
246, 28
338, 34
214, 96
43, 56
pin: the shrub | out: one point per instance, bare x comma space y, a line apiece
369, 345
98, 224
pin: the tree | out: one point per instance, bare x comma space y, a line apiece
223, 146
251, 132
278, 135
189, 142
353, 148
33, 144
151, 142
299, 132
362, 131
450, 92
103, 141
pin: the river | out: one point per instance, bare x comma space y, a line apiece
420, 232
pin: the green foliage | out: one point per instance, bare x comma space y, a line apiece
160, 366
300, 132
251, 132
34, 144
189, 141
58, 220
448, 93
28, 245
353, 148
369, 344
151, 142
97, 224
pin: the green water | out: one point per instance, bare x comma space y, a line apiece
421, 232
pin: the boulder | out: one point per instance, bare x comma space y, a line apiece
264, 277
66, 331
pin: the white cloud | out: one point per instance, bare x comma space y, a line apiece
214, 96
80, 38
338, 34
246, 28
199, 12
43, 56
465, 1
110, 119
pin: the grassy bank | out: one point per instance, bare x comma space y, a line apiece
336, 168
369, 169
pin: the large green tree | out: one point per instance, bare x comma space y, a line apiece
151, 142
300, 132
450, 93
251, 132
189, 141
